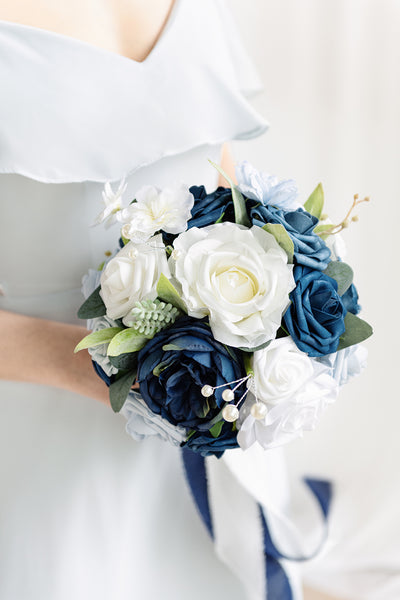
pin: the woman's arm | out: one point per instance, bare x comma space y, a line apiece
40, 351
227, 164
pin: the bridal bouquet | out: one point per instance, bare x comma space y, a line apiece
232, 312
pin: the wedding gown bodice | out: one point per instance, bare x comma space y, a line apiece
86, 512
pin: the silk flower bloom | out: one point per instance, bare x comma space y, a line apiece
238, 277
132, 276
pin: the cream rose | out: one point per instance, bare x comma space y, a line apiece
237, 276
132, 275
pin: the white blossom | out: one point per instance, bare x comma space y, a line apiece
113, 203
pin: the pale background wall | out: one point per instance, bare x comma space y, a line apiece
330, 70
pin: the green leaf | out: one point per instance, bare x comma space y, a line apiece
103, 336
282, 237
342, 273
324, 231
167, 292
128, 340
216, 429
119, 390
93, 306
124, 362
315, 203
239, 203
260, 347
357, 331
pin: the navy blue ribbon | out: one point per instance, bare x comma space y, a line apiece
278, 586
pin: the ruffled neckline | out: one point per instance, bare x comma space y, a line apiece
73, 111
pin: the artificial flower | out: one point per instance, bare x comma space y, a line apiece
155, 210
113, 203
143, 422
315, 318
239, 277
347, 363
266, 188
99, 353
132, 275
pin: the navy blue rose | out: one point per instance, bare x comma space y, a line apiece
175, 365
315, 318
309, 249
205, 444
350, 300
210, 208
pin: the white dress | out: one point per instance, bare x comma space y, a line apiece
85, 511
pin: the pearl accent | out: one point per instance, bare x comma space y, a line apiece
228, 395
230, 413
125, 231
176, 253
207, 391
259, 410
133, 253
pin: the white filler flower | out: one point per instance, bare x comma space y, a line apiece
295, 388
113, 203
155, 210
237, 276
132, 275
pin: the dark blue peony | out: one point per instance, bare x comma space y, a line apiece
309, 249
205, 444
315, 318
174, 366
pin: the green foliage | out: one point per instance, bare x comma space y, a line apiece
356, 332
93, 306
282, 237
239, 203
97, 338
119, 390
124, 362
342, 273
128, 340
149, 317
167, 292
315, 203
216, 429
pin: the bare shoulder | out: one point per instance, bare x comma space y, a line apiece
127, 27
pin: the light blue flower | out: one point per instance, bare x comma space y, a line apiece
266, 188
347, 363
143, 422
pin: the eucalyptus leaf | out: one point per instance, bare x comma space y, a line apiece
128, 340
119, 390
282, 237
167, 292
239, 203
97, 338
216, 429
356, 332
342, 273
93, 306
315, 203
124, 362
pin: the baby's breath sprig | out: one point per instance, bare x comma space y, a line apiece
327, 229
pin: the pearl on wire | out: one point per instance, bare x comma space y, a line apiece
230, 413
207, 391
228, 395
259, 410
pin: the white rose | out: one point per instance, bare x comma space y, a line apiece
154, 210
304, 397
280, 370
132, 275
237, 276
142, 422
